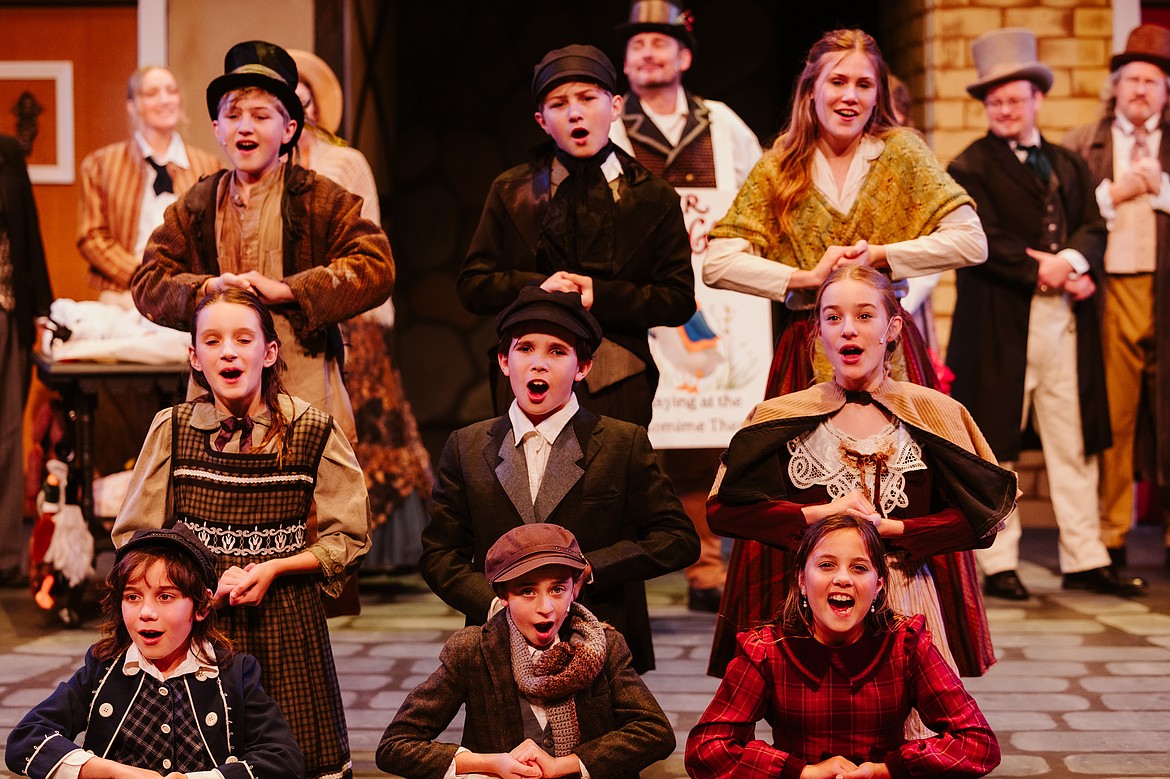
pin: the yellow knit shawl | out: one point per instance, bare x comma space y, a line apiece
905, 195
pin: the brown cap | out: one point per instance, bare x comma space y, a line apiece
1146, 43
528, 547
178, 537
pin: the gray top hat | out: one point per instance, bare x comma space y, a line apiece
1007, 55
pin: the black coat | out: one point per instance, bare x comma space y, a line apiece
989, 336
651, 282
608, 491
30, 278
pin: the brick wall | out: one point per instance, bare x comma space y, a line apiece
933, 45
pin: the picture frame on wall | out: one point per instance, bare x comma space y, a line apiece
36, 107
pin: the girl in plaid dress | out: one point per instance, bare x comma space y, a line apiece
162, 693
836, 677
272, 487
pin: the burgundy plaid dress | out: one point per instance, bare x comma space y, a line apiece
249, 508
851, 701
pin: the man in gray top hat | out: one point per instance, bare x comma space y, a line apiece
1025, 345
1128, 152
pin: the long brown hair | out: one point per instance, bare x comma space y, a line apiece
271, 381
794, 147
187, 579
795, 618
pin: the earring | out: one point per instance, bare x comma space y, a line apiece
803, 602
873, 608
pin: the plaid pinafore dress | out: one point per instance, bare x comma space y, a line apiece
248, 508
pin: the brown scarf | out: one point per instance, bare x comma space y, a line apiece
564, 670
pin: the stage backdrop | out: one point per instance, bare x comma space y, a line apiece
715, 367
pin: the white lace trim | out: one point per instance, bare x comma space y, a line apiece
264, 542
816, 460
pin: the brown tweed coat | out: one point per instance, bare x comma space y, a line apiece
337, 263
623, 729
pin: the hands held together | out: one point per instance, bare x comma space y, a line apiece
563, 281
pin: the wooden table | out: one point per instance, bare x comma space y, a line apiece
78, 383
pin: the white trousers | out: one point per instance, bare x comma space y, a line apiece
1051, 399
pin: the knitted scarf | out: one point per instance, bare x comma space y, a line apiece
562, 671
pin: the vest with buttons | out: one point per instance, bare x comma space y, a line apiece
247, 507
160, 732
1054, 228
691, 166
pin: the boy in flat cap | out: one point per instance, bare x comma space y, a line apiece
550, 460
295, 239
583, 216
549, 690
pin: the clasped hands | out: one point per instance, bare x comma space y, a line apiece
841, 768
1143, 178
270, 291
855, 504
529, 761
1055, 273
563, 281
245, 586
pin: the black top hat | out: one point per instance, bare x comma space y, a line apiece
559, 308
573, 63
659, 16
178, 537
1146, 43
266, 66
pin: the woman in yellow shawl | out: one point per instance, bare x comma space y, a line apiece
842, 184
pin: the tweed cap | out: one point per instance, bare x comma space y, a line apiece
528, 547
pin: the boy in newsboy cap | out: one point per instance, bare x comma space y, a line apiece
295, 239
549, 690
548, 460
583, 216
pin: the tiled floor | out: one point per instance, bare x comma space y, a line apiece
1082, 688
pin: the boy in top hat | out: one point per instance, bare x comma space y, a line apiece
583, 216
1128, 152
549, 690
550, 460
1025, 342
295, 239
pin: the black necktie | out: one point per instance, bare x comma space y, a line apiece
577, 233
162, 179
1038, 162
